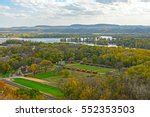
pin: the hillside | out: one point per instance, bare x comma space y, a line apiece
78, 28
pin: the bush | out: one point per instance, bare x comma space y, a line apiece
29, 94
65, 73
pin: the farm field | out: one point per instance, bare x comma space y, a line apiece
52, 77
102, 70
45, 75
56, 92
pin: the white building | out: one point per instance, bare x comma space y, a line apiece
106, 37
103, 37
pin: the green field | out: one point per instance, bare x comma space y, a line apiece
41, 87
90, 68
52, 77
46, 75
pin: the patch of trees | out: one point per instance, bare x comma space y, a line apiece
131, 84
4, 67
43, 35
132, 43
124, 42
29, 94
8, 92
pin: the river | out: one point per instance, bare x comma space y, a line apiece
50, 40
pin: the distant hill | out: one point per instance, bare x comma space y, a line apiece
79, 28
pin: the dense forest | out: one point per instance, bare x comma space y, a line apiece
26, 53
129, 80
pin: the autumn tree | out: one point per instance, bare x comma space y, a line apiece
65, 73
4, 67
46, 64
34, 68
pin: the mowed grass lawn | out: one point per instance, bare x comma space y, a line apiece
91, 68
41, 87
44, 75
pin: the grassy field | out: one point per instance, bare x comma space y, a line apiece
54, 77
41, 87
90, 68
78, 74
51, 77
44, 75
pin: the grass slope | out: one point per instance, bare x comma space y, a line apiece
91, 68
38, 86
46, 75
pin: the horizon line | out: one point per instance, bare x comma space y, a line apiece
147, 25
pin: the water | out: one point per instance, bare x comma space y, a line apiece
45, 40
48, 40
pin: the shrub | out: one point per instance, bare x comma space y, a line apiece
65, 73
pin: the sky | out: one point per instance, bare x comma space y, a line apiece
15, 13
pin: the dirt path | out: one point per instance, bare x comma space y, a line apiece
29, 78
35, 79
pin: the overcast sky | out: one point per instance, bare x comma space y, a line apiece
66, 12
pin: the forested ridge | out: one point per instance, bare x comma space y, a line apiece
79, 28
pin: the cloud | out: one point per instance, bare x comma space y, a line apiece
62, 12
10, 12
145, 0
110, 1
57, 8
4, 7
